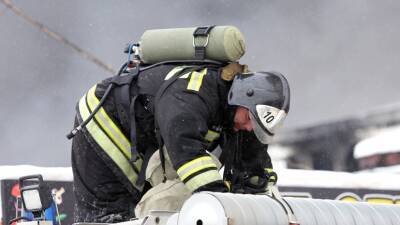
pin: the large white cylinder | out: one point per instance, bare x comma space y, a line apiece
209, 208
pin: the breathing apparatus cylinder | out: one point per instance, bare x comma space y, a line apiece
222, 43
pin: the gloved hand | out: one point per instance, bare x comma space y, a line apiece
253, 183
249, 184
272, 176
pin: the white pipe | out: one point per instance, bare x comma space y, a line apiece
208, 208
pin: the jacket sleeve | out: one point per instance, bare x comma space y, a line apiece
182, 117
256, 164
255, 155
245, 157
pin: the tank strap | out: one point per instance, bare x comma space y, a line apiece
202, 32
123, 98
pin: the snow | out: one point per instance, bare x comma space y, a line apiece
386, 141
286, 177
331, 179
48, 173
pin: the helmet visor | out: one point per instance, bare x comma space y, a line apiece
265, 121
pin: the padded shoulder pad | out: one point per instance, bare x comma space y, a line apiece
228, 72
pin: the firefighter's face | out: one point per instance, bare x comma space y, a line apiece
242, 119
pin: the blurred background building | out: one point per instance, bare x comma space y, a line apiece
340, 57
363, 142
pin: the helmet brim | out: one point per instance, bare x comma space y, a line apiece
265, 121
262, 135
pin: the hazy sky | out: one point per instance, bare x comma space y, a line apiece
340, 57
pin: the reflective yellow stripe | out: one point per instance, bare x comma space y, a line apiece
107, 145
187, 169
203, 179
212, 135
194, 170
108, 125
271, 174
268, 170
196, 80
174, 71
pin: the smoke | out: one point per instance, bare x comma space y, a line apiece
340, 57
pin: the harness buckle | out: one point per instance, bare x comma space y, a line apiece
200, 50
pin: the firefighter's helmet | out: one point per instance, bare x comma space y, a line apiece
267, 97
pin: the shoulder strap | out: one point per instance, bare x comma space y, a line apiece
123, 98
200, 49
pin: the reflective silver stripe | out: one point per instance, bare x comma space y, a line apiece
203, 179
196, 80
195, 165
174, 71
107, 145
107, 124
211, 135
185, 75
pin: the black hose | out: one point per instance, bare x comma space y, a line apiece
102, 100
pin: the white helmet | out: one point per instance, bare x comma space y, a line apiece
267, 96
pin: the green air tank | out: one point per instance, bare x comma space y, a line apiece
225, 44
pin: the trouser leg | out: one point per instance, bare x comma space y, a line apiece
99, 195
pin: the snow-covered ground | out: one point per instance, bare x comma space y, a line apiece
331, 179
286, 177
48, 173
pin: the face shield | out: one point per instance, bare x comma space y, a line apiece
266, 121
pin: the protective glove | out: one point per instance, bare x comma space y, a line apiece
253, 183
249, 184
272, 176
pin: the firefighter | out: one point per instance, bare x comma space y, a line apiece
189, 110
